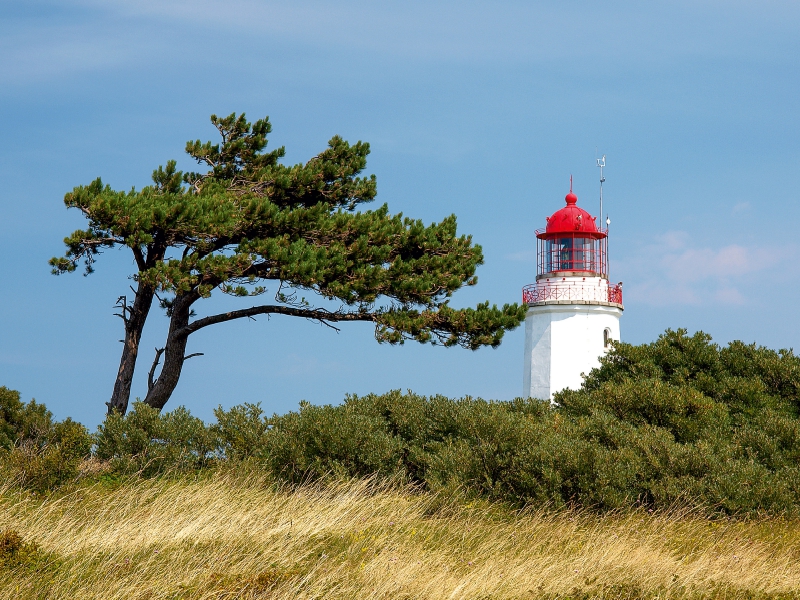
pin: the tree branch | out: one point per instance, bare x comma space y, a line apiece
156, 360
124, 310
92, 242
315, 314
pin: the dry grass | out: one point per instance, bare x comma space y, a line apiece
241, 537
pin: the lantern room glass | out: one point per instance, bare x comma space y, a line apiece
572, 252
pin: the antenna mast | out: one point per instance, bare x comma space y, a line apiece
601, 162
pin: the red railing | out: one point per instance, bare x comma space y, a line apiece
542, 292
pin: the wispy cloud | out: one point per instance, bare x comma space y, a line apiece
106, 33
676, 270
513, 30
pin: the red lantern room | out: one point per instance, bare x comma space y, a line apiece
572, 244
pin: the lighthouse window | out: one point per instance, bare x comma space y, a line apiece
551, 258
580, 254
570, 254
606, 338
565, 257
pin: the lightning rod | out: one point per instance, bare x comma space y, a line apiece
601, 162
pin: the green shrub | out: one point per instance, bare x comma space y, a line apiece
150, 442
35, 451
241, 430
19, 420
682, 410
15, 551
676, 421
322, 440
50, 459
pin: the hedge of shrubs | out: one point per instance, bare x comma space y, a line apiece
35, 451
677, 421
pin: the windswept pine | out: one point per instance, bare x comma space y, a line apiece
250, 222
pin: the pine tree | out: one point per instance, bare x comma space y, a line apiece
250, 221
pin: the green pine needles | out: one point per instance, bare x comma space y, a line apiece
251, 225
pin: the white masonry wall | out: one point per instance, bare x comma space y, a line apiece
562, 341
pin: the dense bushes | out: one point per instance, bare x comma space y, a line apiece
679, 420
148, 442
35, 451
676, 421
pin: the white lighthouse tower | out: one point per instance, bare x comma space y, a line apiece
573, 311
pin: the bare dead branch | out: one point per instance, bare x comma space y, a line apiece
125, 310
188, 356
324, 322
151, 374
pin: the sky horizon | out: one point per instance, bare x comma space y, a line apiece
478, 109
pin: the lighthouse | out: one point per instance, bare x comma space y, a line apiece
573, 310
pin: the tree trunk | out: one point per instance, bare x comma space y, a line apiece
135, 318
159, 392
174, 352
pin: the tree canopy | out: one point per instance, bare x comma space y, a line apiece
250, 222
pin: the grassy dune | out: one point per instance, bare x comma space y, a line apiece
235, 536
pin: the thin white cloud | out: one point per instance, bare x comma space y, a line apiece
729, 296
113, 33
701, 264
677, 270
514, 30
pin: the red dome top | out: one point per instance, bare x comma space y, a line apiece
571, 219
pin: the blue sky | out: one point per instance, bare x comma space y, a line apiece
474, 108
